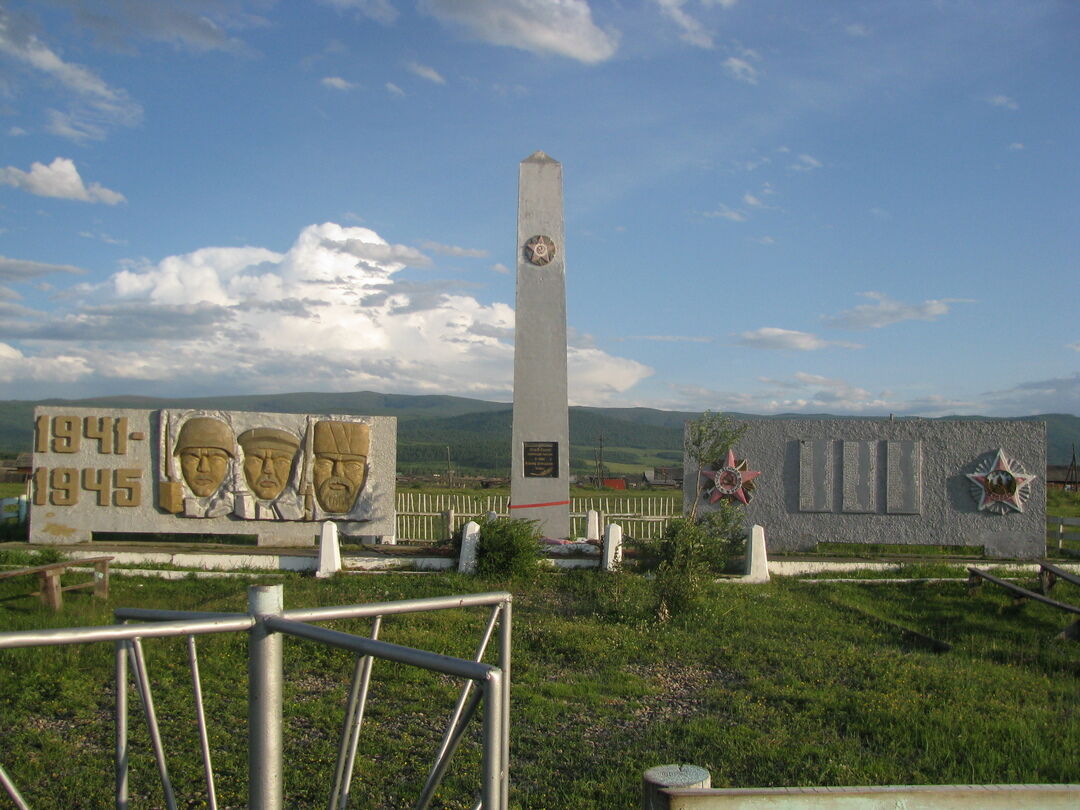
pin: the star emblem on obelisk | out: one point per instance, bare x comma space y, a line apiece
540, 250
732, 481
1000, 486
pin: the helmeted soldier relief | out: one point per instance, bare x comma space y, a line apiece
206, 449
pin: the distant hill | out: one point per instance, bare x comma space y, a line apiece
476, 431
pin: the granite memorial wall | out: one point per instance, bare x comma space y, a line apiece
903, 481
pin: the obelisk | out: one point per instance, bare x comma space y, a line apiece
540, 477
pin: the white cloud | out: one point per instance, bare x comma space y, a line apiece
59, 179
1004, 102
454, 250
96, 105
336, 83
806, 163
1056, 395
14, 367
885, 311
499, 267
857, 30
20, 269
693, 31
772, 337
741, 69
15, 132
378, 10
724, 212
394, 90
330, 313
1074, 346
765, 240
425, 72
1016, 146
557, 27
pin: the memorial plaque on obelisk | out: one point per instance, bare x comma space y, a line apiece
540, 478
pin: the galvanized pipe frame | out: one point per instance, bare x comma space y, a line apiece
265, 622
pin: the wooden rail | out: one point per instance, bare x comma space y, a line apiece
1070, 632
1050, 574
51, 592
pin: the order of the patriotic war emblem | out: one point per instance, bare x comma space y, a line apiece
539, 250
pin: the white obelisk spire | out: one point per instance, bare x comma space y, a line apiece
540, 478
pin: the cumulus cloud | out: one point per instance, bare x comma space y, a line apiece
885, 311
59, 179
61, 368
771, 337
549, 27
693, 31
336, 83
330, 313
425, 72
96, 106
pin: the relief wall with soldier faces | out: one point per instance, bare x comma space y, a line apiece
212, 471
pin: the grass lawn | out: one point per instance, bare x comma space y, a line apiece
784, 684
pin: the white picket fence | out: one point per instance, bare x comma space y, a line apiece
421, 516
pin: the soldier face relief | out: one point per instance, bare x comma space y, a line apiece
340, 467
268, 460
205, 447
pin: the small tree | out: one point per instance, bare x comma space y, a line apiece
707, 442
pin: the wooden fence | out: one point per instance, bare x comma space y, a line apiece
421, 516
1063, 532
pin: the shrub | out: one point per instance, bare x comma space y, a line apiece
689, 552
509, 548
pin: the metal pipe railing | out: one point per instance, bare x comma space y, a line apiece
266, 623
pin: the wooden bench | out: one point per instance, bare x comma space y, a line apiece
51, 592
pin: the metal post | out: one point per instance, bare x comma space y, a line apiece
265, 783
121, 725
200, 719
505, 630
491, 784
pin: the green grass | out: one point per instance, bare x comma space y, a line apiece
10, 490
785, 684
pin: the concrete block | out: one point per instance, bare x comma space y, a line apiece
329, 551
612, 557
470, 539
757, 563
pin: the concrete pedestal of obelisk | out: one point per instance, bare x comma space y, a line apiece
540, 477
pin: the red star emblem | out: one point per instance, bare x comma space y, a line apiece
732, 481
1002, 487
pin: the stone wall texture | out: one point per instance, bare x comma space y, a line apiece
902, 481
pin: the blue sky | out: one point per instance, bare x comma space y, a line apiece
846, 207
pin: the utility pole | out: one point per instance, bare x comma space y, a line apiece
600, 461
